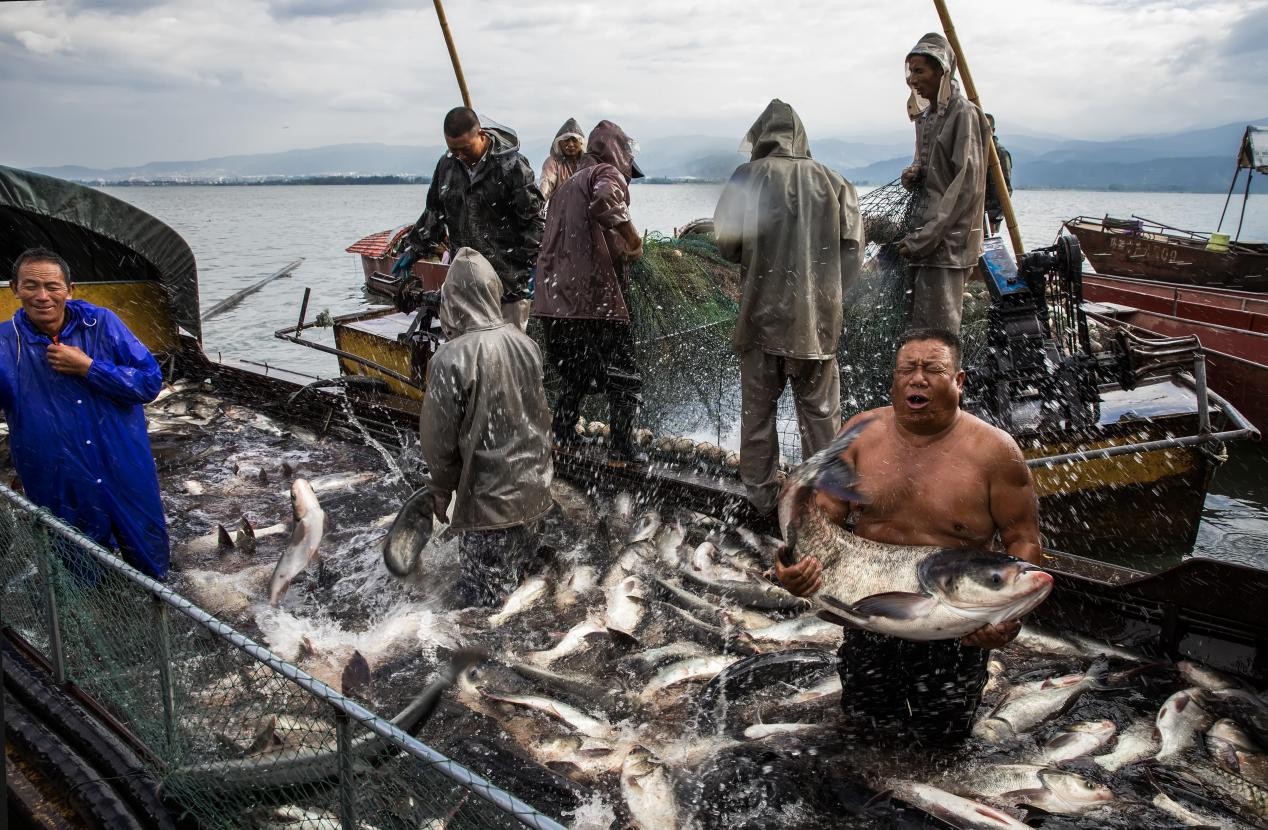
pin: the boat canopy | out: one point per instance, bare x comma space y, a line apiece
1254, 151
102, 238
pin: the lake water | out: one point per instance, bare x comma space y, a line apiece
241, 234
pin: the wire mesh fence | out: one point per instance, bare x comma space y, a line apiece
236, 736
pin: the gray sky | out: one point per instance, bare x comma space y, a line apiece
104, 83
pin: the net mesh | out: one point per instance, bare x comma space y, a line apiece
233, 739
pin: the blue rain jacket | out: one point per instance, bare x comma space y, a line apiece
79, 444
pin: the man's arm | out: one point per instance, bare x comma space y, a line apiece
126, 372
955, 205
530, 216
728, 216
610, 208
439, 426
1015, 510
429, 231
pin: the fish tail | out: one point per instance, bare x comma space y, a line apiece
832, 473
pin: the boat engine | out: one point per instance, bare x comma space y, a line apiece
424, 334
1038, 371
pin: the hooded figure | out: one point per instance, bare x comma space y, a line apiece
80, 444
493, 207
484, 432
794, 227
559, 165
949, 171
582, 284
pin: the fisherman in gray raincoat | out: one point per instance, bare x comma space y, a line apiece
949, 175
794, 227
485, 434
563, 159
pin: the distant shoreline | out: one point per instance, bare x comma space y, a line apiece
276, 181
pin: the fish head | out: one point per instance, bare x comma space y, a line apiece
1181, 708
1100, 729
303, 499
644, 527
1073, 791
985, 584
1228, 731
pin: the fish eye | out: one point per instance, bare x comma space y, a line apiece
996, 579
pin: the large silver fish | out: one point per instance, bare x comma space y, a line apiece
649, 794
1030, 705
916, 592
1181, 721
959, 811
310, 524
1051, 790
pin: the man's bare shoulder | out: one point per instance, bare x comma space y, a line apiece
880, 422
993, 446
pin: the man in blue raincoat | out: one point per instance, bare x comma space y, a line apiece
73, 381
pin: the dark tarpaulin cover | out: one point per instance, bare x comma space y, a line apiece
101, 237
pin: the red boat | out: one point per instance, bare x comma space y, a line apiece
1232, 327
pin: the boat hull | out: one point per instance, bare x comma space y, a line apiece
1114, 247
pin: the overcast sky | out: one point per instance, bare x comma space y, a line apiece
104, 83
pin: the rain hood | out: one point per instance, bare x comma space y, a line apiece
794, 227
936, 47
558, 168
608, 144
485, 426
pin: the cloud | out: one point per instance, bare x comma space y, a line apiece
283, 9
43, 44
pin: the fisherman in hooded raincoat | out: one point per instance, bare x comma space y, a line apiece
73, 384
794, 227
949, 177
563, 159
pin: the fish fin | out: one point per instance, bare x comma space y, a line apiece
1035, 795
829, 616
895, 605
246, 537
265, 737
1098, 672
306, 648
263, 476
356, 675
835, 476
287, 470
224, 541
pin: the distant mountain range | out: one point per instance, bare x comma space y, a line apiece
1196, 160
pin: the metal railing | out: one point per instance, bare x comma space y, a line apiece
201, 697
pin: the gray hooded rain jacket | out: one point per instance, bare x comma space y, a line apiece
485, 427
794, 227
558, 167
951, 154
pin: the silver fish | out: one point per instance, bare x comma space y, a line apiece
907, 591
1077, 740
521, 599
1236, 752
758, 731
648, 792
800, 630
1033, 637
1136, 743
750, 593
579, 580
693, 669
310, 524
580, 758
341, 481
1180, 721
626, 606
958, 811
571, 716
576, 639
1028, 706
654, 658
1052, 790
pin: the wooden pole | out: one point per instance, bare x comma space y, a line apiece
453, 54
1001, 189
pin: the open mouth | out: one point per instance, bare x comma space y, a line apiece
917, 401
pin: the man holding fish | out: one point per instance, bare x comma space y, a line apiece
925, 483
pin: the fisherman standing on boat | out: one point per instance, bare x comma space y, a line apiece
582, 283
933, 475
994, 208
949, 177
73, 384
485, 434
563, 159
794, 227
483, 196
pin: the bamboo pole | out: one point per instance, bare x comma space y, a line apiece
453, 54
1001, 189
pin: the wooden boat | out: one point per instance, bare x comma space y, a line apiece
1232, 327
1148, 250
1139, 247
379, 253
1202, 609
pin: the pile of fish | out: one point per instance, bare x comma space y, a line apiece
650, 675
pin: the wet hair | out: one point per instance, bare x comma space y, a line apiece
946, 338
39, 255
459, 121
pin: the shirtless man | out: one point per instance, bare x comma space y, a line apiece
934, 475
